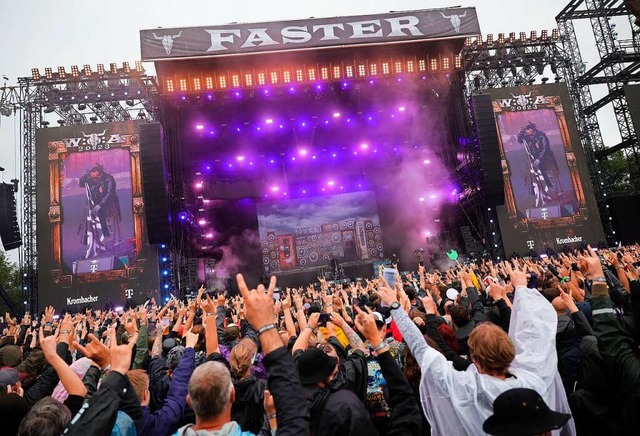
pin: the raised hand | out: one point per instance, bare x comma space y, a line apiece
208, 305
96, 351
191, 339
366, 324
120, 354
49, 311
314, 320
48, 344
590, 263
386, 294
259, 306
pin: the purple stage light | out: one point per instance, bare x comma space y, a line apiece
182, 216
331, 183
303, 152
272, 161
370, 82
211, 132
303, 124
251, 163
304, 191
326, 121
199, 127
258, 128
401, 108
281, 126
369, 118
333, 155
202, 222
313, 157
266, 92
238, 129
199, 185
292, 89
209, 235
348, 120
323, 189
240, 158
345, 85
319, 87
268, 121
432, 196
284, 193
230, 165
421, 199
275, 188
293, 158
364, 146
426, 161
427, 233
336, 115
209, 97
237, 94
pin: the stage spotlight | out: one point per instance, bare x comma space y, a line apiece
130, 102
48, 73
101, 69
62, 74
126, 67
82, 106
61, 122
93, 119
74, 71
113, 67
139, 67
35, 74
86, 70
544, 79
48, 109
44, 124
141, 115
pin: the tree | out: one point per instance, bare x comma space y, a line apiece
10, 280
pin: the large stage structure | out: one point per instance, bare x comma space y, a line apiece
270, 112
257, 120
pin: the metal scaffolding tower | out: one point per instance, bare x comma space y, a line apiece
619, 65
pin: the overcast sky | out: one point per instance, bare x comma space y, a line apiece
48, 33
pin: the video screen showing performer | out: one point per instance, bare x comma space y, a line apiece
543, 168
540, 180
97, 215
102, 212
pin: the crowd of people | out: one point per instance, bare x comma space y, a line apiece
520, 347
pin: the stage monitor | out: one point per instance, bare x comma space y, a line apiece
549, 200
310, 232
92, 240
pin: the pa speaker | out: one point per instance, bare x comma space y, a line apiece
9, 229
493, 182
154, 191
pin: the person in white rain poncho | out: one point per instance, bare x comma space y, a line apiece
458, 402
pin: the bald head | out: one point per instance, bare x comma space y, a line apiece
210, 390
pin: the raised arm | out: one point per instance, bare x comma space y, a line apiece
532, 329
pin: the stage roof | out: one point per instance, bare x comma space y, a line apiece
312, 33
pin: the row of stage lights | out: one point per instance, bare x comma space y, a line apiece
311, 73
61, 74
532, 38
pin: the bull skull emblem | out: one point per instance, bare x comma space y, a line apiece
167, 41
94, 139
522, 100
455, 20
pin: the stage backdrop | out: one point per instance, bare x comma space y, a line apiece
92, 241
310, 232
549, 201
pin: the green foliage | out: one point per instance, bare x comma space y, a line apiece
10, 280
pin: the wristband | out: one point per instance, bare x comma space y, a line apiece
599, 279
267, 327
64, 332
565, 279
380, 346
210, 314
272, 417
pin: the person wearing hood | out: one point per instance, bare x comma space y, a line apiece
458, 402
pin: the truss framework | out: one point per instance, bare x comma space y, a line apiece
76, 100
